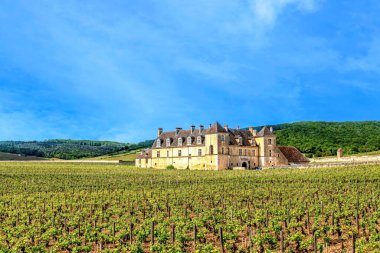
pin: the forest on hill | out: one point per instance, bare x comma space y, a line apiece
324, 138
67, 149
312, 138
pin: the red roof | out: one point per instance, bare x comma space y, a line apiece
147, 153
293, 155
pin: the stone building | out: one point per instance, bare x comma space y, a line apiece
217, 148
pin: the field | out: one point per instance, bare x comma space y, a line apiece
65, 207
122, 156
17, 157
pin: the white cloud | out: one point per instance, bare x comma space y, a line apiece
128, 65
361, 85
24, 126
267, 11
370, 61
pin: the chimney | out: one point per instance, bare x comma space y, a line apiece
271, 129
177, 129
226, 127
159, 131
201, 127
192, 129
253, 131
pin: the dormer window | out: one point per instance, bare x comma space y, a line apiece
189, 140
269, 141
199, 140
179, 141
158, 143
240, 140
168, 142
222, 138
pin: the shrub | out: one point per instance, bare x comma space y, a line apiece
170, 167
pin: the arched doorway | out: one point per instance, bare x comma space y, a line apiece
244, 164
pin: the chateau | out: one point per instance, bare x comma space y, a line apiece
217, 148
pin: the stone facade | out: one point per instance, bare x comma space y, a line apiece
213, 148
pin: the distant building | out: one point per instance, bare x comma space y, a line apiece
217, 148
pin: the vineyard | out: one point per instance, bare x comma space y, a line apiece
62, 207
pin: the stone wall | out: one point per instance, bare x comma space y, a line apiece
345, 159
328, 165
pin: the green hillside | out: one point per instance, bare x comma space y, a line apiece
17, 157
63, 149
324, 138
311, 138
69, 149
124, 156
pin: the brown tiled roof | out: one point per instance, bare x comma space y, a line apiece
146, 153
265, 132
234, 135
174, 136
293, 155
216, 128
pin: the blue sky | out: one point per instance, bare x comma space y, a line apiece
117, 70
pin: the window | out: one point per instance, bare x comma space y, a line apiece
167, 153
245, 152
199, 140
269, 141
158, 153
179, 141
199, 152
168, 142
240, 152
223, 150
189, 140
240, 140
254, 152
211, 149
158, 143
270, 152
222, 138
179, 152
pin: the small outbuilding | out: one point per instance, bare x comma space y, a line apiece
293, 155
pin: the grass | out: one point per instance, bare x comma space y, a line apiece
368, 153
131, 156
